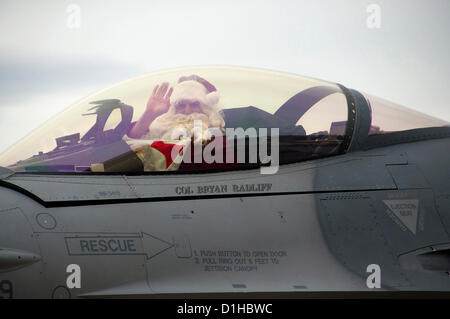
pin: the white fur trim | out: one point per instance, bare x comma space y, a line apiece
190, 91
212, 98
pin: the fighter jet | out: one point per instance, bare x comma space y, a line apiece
326, 189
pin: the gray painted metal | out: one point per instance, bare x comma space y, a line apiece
11, 259
319, 227
313, 226
5, 172
340, 173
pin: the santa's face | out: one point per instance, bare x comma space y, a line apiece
180, 126
188, 107
187, 118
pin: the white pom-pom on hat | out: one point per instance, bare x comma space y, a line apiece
212, 98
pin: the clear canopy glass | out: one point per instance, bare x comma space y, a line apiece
388, 117
311, 116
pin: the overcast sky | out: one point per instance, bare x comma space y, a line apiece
48, 60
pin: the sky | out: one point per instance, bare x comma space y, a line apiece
55, 52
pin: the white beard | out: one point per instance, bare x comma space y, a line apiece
181, 126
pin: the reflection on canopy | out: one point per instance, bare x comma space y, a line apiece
94, 134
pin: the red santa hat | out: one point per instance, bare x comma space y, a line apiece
195, 88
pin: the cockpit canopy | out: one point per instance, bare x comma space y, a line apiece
388, 117
296, 117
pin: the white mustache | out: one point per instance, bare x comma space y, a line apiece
173, 126
177, 118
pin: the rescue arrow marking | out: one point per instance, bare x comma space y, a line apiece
105, 244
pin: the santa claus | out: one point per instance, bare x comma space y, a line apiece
185, 111
176, 118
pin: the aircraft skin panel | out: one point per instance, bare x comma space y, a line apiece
321, 240
99, 269
378, 227
395, 227
159, 244
342, 173
74, 188
250, 244
16, 281
431, 272
353, 233
410, 222
408, 176
443, 206
432, 161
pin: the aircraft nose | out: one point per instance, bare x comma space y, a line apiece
12, 259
